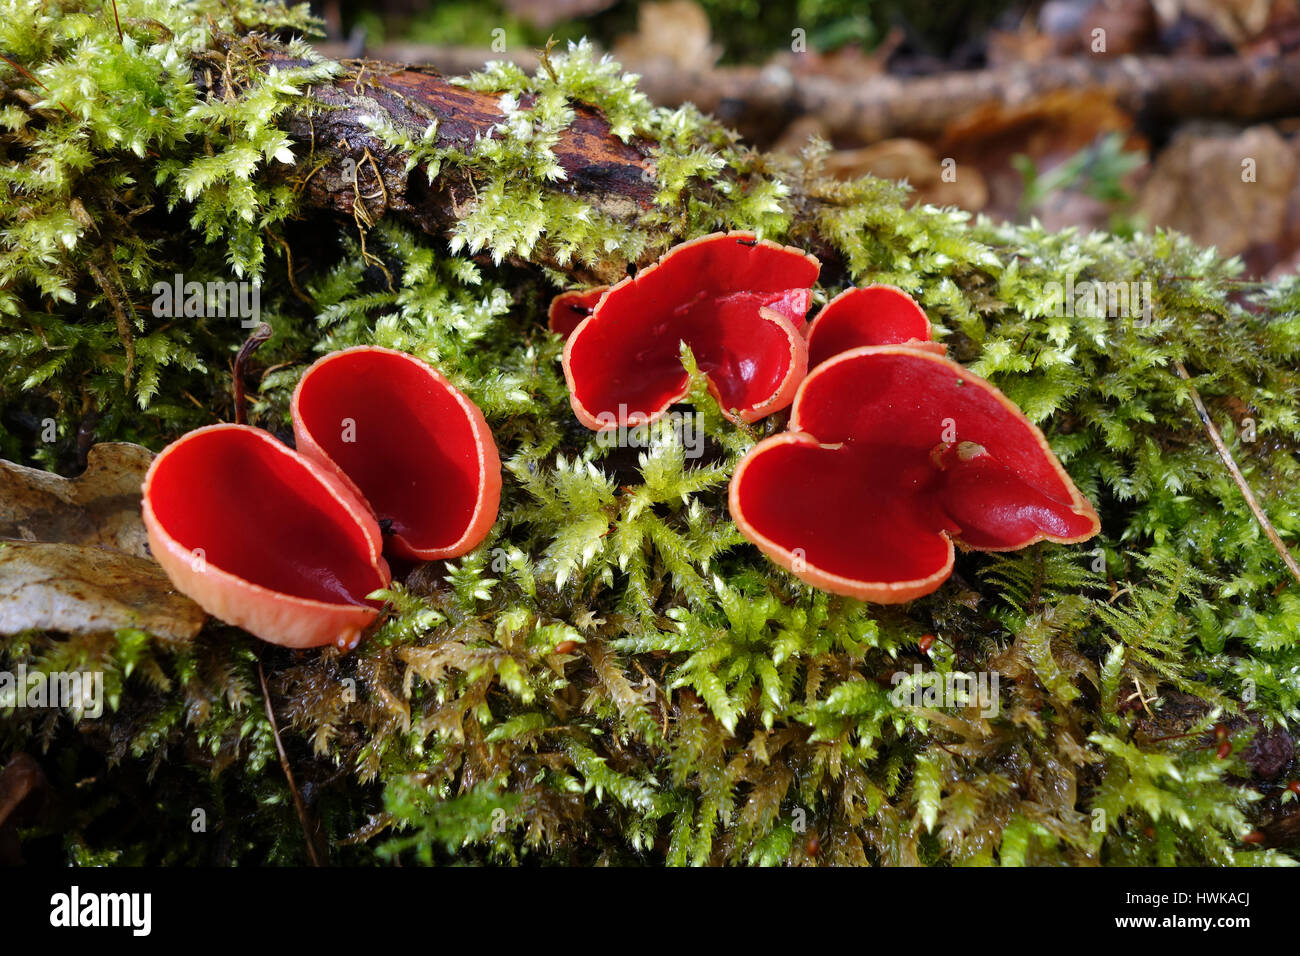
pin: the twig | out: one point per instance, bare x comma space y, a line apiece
117, 21
123, 321
545, 57
31, 76
1246, 492
260, 335
765, 98
284, 765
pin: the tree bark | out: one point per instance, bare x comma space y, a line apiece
350, 170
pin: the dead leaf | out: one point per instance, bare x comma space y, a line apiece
849, 62
1026, 44
1067, 28
921, 166
1049, 129
1242, 182
100, 507
86, 590
74, 553
675, 33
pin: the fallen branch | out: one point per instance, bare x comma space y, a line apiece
353, 172
761, 101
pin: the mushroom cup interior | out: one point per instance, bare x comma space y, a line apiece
626, 359
568, 309
403, 438
861, 512
875, 315
897, 449
631, 370
258, 512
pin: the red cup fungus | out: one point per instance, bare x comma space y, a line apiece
285, 543
892, 454
263, 538
569, 308
873, 315
414, 446
736, 301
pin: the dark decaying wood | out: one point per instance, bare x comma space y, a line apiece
349, 169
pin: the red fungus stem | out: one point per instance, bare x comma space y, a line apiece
260, 335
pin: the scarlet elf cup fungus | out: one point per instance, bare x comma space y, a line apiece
263, 538
873, 315
285, 543
569, 308
410, 443
892, 454
737, 302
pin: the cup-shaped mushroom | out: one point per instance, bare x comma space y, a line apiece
892, 454
569, 308
872, 315
736, 301
410, 443
263, 538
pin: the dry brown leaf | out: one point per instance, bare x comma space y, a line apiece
917, 163
1068, 29
1049, 129
100, 507
1233, 215
74, 554
849, 62
675, 33
85, 590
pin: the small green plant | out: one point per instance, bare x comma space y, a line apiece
1097, 171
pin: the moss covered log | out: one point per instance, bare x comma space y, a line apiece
615, 675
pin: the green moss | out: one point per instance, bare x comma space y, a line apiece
713, 708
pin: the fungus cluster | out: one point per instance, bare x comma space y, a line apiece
288, 544
736, 301
893, 453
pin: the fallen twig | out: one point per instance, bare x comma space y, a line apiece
762, 100
288, 771
1237, 476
